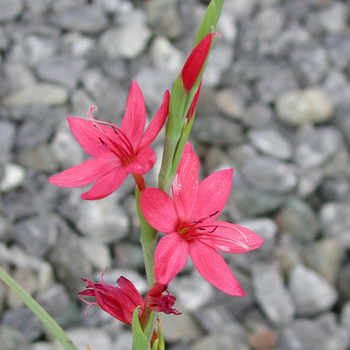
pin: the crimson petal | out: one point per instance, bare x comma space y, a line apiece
212, 266
185, 185
85, 173
134, 119
106, 184
171, 257
158, 209
213, 193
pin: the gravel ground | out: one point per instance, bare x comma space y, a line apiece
275, 105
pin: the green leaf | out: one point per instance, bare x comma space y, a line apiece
140, 341
39, 312
161, 345
210, 19
155, 345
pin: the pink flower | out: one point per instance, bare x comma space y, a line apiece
117, 151
188, 221
195, 62
120, 301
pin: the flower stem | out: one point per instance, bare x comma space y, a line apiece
140, 182
42, 315
149, 238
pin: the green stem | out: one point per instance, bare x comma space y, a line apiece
169, 151
149, 238
35, 307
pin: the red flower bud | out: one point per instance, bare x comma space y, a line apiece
195, 62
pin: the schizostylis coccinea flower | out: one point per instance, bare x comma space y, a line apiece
116, 151
187, 219
121, 300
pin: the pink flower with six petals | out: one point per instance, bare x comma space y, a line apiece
117, 151
187, 219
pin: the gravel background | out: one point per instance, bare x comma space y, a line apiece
275, 105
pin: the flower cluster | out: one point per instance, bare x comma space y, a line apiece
187, 217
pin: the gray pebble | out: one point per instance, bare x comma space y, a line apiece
272, 295
61, 70
129, 41
193, 291
325, 257
298, 218
309, 335
10, 9
268, 174
7, 136
38, 125
269, 22
337, 88
334, 18
335, 221
37, 235
338, 46
310, 65
32, 49
87, 19
311, 293
24, 321
39, 158
271, 143
345, 316
273, 86
164, 18
43, 94
216, 130
109, 96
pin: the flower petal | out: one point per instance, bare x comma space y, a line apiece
85, 173
213, 193
143, 162
108, 297
171, 257
212, 266
230, 238
185, 184
156, 124
106, 184
134, 119
131, 296
88, 136
158, 209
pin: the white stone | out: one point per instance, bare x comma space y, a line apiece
40, 94
303, 106
128, 41
13, 177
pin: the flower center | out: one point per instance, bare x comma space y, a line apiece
120, 146
188, 229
